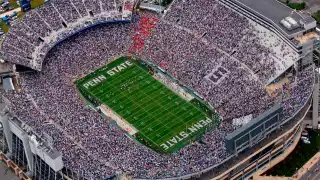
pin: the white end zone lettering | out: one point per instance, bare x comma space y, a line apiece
183, 134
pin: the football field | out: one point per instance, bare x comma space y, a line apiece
165, 121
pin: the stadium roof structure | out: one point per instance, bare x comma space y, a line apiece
274, 11
152, 7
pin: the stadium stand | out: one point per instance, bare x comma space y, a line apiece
40, 29
184, 42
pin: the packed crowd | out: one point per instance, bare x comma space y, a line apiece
94, 147
232, 33
298, 93
187, 60
41, 28
214, 22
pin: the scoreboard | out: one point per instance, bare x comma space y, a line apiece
254, 131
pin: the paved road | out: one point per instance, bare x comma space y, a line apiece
314, 5
6, 174
313, 172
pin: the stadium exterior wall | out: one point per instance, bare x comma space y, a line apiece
294, 140
278, 147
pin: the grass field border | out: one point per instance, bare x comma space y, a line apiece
197, 106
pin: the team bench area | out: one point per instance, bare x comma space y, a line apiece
128, 91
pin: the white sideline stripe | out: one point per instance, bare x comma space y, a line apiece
120, 121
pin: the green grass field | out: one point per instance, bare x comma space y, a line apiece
165, 121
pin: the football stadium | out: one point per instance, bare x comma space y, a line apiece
125, 89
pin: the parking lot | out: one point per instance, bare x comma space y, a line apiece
6, 174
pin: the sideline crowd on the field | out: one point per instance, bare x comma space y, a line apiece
95, 147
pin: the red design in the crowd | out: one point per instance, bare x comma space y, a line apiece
141, 33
